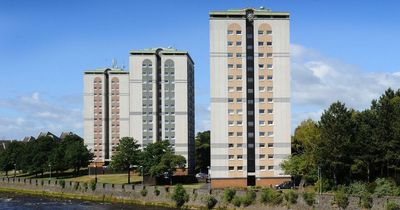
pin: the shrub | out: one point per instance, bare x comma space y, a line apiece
156, 191
366, 200
229, 194
143, 192
210, 201
180, 196
291, 197
249, 197
62, 183
271, 196
76, 185
341, 198
236, 201
85, 186
392, 206
360, 189
326, 185
93, 184
384, 187
309, 198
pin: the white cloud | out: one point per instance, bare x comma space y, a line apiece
318, 81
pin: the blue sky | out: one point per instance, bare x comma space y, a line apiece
341, 50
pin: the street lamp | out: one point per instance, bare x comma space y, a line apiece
50, 169
209, 176
15, 170
95, 171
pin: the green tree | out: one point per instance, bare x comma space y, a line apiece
12, 155
180, 195
76, 153
127, 154
202, 151
38, 153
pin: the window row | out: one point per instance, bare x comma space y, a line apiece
238, 168
240, 111
147, 65
235, 157
261, 134
237, 32
263, 168
261, 32
265, 44
238, 43
250, 101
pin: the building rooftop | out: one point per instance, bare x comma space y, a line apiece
102, 70
162, 50
241, 13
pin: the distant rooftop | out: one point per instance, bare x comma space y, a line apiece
161, 50
241, 13
111, 71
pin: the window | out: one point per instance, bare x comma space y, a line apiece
269, 77
262, 145
230, 55
270, 122
270, 168
239, 157
262, 134
231, 168
260, 32
239, 123
249, 47
238, 55
251, 134
260, 43
238, 32
261, 77
230, 123
230, 133
250, 90
260, 55
231, 89
261, 111
239, 66
262, 168
230, 145
269, 32
230, 100
262, 122
261, 89
239, 77
230, 111
270, 100
249, 68
250, 123
269, 43
270, 133
239, 145
270, 156
269, 89
262, 156
250, 101
231, 157
239, 134
261, 100
261, 66
269, 55
238, 43
270, 145
239, 100
230, 77
269, 66
239, 89
270, 111
230, 66
230, 43
240, 168
239, 111
230, 32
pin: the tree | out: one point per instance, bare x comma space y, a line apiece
168, 164
12, 155
76, 153
38, 153
127, 155
202, 151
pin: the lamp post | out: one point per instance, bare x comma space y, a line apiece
50, 169
95, 171
15, 170
209, 177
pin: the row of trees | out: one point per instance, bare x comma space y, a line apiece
39, 155
349, 145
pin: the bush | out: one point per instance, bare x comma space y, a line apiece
309, 198
143, 192
236, 201
76, 185
326, 185
271, 196
341, 198
180, 196
249, 197
229, 194
210, 201
93, 184
291, 197
360, 189
156, 191
62, 183
384, 187
85, 186
392, 206
366, 200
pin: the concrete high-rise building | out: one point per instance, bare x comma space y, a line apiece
250, 97
153, 101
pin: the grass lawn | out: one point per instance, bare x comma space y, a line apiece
107, 178
193, 186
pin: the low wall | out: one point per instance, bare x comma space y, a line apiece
132, 194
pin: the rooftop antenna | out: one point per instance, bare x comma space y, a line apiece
114, 63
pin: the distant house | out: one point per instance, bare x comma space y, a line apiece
65, 134
28, 139
48, 134
4, 144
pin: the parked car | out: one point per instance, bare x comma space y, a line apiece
285, 185
202, 175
